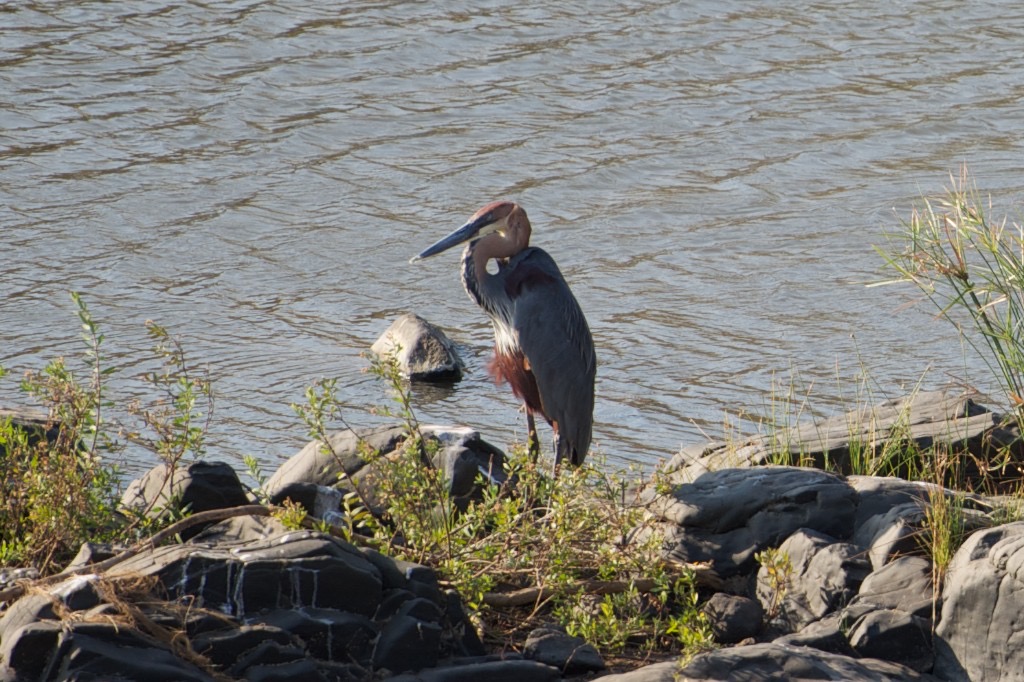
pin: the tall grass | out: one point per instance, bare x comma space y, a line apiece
971, 268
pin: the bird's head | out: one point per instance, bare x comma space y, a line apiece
504, 217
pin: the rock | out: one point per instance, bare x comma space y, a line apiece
892, 635
897, 532
726, 516
424, 353
463, 455
904, 584
554, 647
201, 486
827, 634
491, 671
826, 574
406, 643
319, 501
733, 618
771, 661
979, 632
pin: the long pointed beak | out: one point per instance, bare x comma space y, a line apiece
463, 234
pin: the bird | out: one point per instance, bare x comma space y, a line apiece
543, 348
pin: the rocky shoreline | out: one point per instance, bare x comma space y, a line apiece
246, 598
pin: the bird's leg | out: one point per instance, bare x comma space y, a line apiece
532, 443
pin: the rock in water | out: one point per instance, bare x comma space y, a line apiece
424, 353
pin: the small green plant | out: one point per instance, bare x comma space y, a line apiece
779, 571
943, 534
57, 491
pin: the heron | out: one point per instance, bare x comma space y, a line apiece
542, 344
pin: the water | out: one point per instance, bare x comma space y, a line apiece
710, 176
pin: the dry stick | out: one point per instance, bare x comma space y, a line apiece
532, 595
152, 541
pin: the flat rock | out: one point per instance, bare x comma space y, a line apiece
571, 655
772, 662
725, 517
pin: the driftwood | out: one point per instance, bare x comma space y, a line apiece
950, 419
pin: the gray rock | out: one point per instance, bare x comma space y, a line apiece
896, 532
726, 516
201, 486
979, 632
424, 353
463, 456
826, 574
896, 636
571, 655
772, 661
827, 634
733, 618
904, 584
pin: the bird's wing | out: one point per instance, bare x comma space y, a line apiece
556, 340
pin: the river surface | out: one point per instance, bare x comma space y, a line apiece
711, 177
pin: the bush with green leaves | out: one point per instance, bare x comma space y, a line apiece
536, 549
62, 484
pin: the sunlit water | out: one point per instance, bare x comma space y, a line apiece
710, 176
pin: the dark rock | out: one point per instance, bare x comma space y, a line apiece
265, 654
102, 651
491, 671
407, 643
894, 636
424, 353
904, 584
825, 576
303, 669
979, 632
733, 618
201, 486
224, 647
571, 655
318, 500
827, 634
26, 651
726, 516
772, 661
326, 633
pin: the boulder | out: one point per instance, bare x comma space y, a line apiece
733, 618
771, 661
552, 646
892, 635
903, 584
724, 517
352, 460
980, 630
201, 486
422, 350
826, 574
